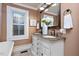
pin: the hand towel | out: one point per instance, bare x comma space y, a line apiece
68, 21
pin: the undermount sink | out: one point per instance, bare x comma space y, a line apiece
47, 36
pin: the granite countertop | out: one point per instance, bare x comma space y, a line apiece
51, 39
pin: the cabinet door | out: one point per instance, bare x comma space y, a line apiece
40, 49
57, 48
34, 45
46, 51
34, 40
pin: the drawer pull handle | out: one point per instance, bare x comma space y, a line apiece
42, 54
32, 44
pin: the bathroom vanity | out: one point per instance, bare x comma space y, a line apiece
47, 45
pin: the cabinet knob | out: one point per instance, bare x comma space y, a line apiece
41, 54
32, 44
37, 43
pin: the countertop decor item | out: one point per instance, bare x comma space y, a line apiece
45, 29
38, 25
45, 23
63, 31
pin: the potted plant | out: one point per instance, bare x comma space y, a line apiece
45, 24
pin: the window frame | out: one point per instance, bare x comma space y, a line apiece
10, 24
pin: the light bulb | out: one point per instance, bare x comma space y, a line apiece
41, 8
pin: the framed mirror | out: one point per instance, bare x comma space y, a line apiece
52, 16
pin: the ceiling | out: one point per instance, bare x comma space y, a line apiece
52, 10
34, 5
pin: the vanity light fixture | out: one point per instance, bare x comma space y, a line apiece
54, 4
46, 10
45, 7
48, 3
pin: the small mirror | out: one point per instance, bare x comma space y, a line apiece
51, 16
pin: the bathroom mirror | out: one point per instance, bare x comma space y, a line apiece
51, 15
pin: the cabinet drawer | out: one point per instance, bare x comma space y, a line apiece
40, 54
34, 41
35, 38
46, 54
34, 44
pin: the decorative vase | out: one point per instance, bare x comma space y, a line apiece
45, 29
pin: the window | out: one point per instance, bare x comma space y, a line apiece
17, 23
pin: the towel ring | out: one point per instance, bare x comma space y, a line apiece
67, 11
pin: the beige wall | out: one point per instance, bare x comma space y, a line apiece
72, 37
33, 14
0, 17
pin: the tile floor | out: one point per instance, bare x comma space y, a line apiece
18, 53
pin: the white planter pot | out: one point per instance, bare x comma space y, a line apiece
45, 30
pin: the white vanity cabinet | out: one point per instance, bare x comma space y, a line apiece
57, 48
43, 48
34, 45
46, 47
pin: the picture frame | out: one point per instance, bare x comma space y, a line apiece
33, 23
